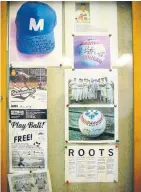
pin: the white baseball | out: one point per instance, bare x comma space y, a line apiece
92, 123
92, 52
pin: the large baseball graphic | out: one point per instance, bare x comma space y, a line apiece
92, 123
92, 52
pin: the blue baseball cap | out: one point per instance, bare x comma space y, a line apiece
35, 22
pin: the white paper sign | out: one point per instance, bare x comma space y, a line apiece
92, 163
27, 145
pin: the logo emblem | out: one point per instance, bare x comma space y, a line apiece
23, 93
36, 26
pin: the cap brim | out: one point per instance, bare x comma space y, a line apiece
35, 44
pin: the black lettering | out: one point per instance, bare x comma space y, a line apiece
19, 138
71, 152
111, 152
79, 152
24, 137
29, 137
101, 151
93, 152
15, 139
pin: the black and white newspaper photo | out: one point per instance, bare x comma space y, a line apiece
91, 124
27, 86
27, 145
83, 87
92, 163
32, 182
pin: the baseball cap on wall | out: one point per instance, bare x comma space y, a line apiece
35, 22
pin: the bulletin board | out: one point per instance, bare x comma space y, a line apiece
56, 111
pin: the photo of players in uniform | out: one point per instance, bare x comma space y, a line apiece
98, 90
36, 182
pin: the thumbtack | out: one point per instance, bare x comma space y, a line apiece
67, 182
117, 141
30, 171
1, 97
110, 70
60, 65
66, 141
73, 35
9, 121
116, 146
115, 105
115, 181
67, 105
65, 147
110, 35
73, 69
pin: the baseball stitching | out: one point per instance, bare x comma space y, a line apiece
90, 42
90, 57
91, 123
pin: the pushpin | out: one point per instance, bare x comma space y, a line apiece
65, 147
110, 35
66, 141
117, 141
73, 35
116, 146
115, 105
110, 70
67, 182
67, 105
60, 65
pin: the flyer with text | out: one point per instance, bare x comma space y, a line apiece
92, 163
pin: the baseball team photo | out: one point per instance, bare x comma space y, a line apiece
36, 182
92, 87
92, 51
91, 124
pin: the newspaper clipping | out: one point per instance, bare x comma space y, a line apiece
27, 88
91, 163
27, 145
27, 119
31, 182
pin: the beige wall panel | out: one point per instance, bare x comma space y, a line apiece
56, 121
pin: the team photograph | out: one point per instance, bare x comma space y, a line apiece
91, 88
36, 182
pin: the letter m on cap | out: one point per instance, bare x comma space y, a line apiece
36, 26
